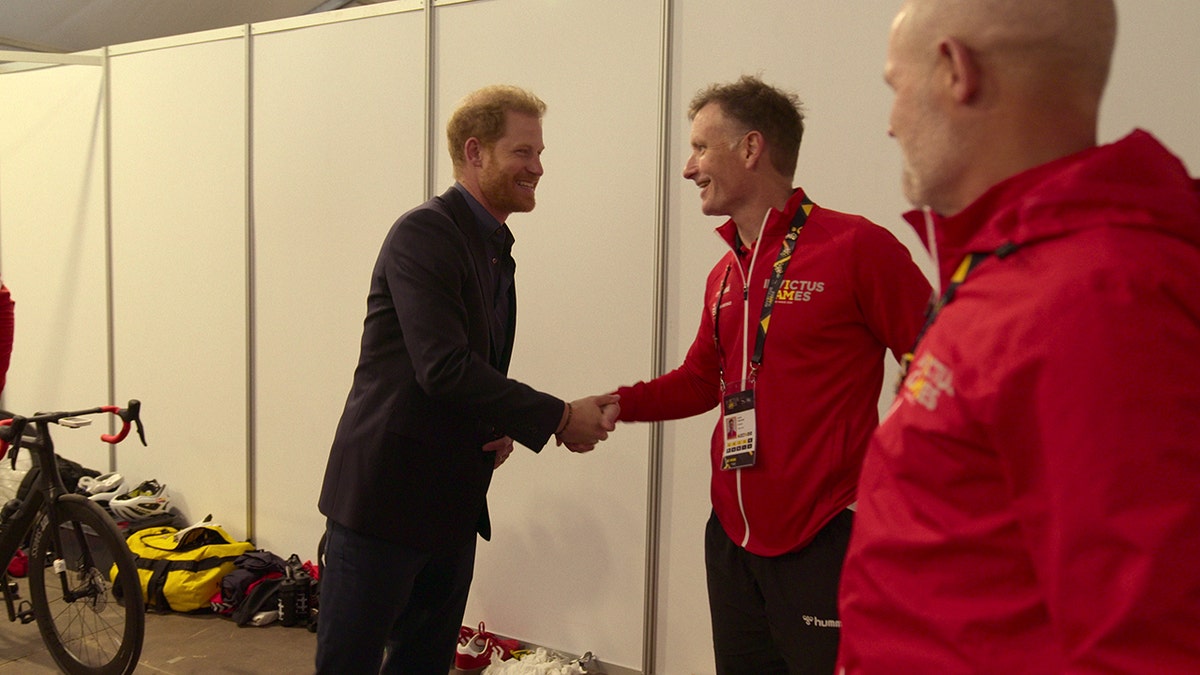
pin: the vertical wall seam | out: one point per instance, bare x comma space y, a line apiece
109, 293
429, 99
659, 347
251, 427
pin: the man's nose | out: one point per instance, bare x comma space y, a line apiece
689, 169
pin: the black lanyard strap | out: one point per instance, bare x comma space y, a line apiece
717, 325
781, 264
936, 305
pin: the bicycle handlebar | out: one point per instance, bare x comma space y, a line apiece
11, 429
127, 415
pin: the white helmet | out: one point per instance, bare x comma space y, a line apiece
101, 488
145, 500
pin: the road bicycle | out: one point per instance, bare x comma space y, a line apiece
84, 590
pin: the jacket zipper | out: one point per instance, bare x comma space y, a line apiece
746, 276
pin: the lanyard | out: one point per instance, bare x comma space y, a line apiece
781, 264
964, 269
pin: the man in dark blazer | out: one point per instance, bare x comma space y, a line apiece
432, 411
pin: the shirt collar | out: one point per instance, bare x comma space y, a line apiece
493, 231
772, 222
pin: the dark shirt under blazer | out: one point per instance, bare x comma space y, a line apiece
430, 388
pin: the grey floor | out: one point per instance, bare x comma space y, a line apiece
180, 644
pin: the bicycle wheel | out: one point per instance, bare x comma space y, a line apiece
82, 623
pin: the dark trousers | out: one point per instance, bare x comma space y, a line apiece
388, 608
776, 615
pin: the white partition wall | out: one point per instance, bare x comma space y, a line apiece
52, 246
339, 140
1153, 83
565, 567
254, 171
179, 267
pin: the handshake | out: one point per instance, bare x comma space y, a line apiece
584, 423
587, 421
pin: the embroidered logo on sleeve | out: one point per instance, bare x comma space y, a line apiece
927, 380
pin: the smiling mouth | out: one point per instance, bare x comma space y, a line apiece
526, 184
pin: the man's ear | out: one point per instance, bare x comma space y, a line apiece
963, 70
473, 151
753, 148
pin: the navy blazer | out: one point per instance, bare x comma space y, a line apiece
430, 389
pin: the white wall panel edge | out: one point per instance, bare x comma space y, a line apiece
110, 346
659, 351
337, 16
248, 233
79, 59
16, 61
215, 35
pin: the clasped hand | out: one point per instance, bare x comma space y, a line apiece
589, 421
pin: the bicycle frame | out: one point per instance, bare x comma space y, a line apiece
84, 588
13, 531
47, 487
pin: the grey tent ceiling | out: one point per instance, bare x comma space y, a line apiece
80, 25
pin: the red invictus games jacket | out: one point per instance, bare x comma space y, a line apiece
850, 292
1031, 504
6, 331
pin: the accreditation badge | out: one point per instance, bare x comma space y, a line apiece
738, 423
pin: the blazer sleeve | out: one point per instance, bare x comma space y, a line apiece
429, 274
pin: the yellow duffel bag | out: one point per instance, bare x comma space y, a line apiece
181, 570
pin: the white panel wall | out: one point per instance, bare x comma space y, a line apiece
338, 156
52, 247
179, 270
565, 567
338, 130
1154, 78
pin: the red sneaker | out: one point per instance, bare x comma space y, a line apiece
475, 653
477, 647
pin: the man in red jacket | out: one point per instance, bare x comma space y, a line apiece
1030, 503
798, 316
6, 332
